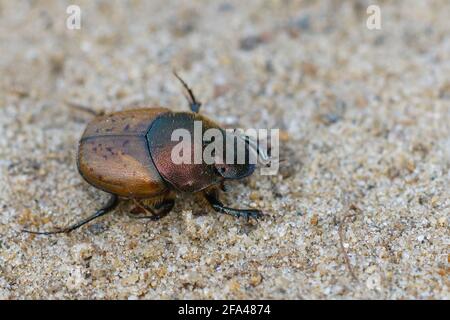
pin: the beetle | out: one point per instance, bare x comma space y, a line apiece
128, 155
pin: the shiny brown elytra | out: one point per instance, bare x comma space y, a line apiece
128, 155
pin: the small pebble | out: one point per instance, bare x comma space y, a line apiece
314, 220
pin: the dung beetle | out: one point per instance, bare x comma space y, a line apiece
128, 155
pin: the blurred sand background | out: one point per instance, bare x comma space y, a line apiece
360, 208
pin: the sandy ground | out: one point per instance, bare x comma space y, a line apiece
359, 209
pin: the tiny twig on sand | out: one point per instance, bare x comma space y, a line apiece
342, 238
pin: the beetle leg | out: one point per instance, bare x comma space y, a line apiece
218, 206
162, 209
148, 210
194, 105
81, 107
109, 206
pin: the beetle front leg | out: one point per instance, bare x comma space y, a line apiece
218, 206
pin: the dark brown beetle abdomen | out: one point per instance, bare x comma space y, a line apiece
113, 154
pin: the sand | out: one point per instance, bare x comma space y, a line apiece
359, 209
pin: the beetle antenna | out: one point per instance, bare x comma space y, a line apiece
193, 103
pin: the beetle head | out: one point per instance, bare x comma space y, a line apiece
240, 166
234, 171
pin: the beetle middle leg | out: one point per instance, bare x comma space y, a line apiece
218, 206
158, 211
109, 206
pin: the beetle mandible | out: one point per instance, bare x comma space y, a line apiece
128, 155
